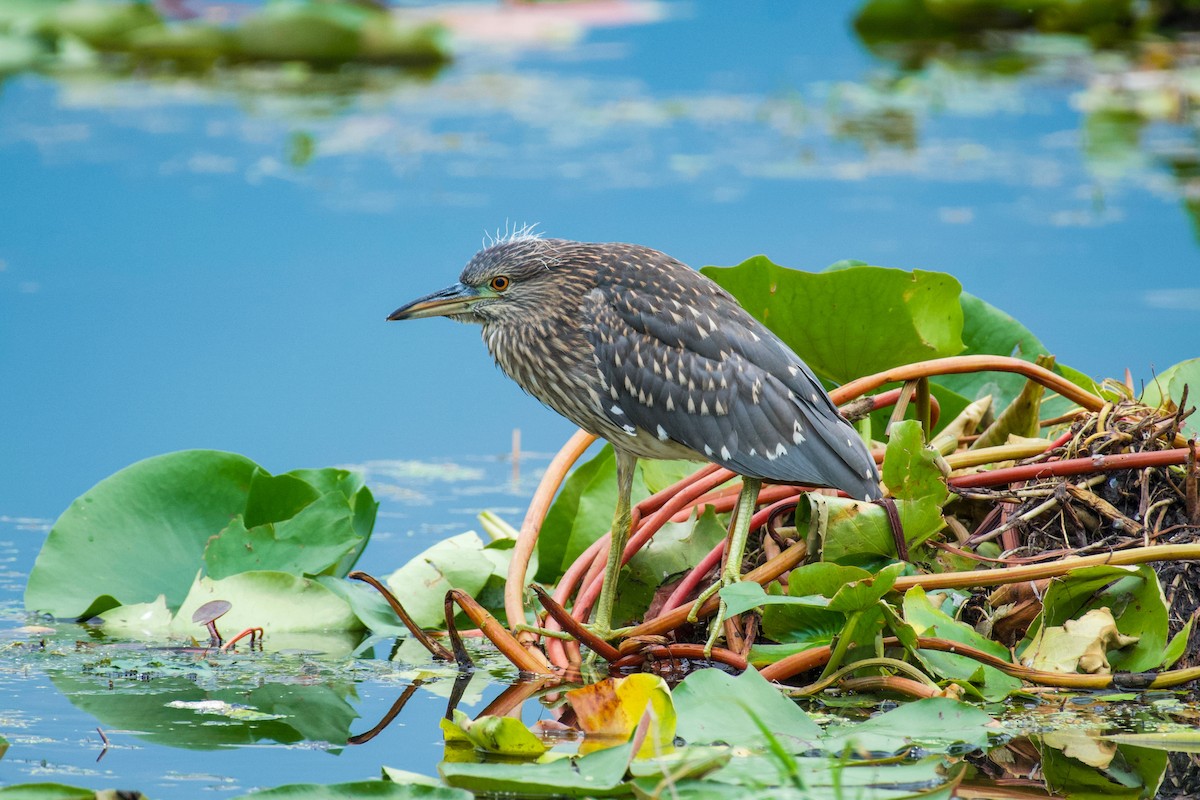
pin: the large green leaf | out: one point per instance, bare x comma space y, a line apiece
313, 542
144, 531
851, 322
455, 563
932, 723
712, 706
926, 620
1170, 383
599, 774
138, 533
1132, 594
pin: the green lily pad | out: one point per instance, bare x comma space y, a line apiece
851, 322
1169, 384
454, 563
926, 620
143, 531
935, 723
274, 601
599, 774
138, 533
712, 706
47, 791
359, 790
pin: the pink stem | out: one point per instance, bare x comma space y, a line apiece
652, 524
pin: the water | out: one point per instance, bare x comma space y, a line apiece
171, 279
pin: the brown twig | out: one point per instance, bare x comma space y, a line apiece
521, 657
574, 626
435, 649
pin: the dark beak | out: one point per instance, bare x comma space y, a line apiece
448, 302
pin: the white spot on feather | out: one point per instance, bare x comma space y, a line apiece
662, 433
708, 451
725, 453
797, 433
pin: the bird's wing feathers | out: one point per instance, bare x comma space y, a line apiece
702, 372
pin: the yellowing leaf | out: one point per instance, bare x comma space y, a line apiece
613, 708
1078, 644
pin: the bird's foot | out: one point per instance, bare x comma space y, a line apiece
694, 613
605, 632
715, 629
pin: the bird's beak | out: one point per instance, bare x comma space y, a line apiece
448, 302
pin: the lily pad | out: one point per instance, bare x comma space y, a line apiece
143, 531
454, 563
714, 707
599, 774
926, 620
359, 790
851, 322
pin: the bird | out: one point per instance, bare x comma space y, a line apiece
641, 350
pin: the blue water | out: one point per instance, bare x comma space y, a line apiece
171, 280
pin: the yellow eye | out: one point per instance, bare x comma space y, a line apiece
499, 283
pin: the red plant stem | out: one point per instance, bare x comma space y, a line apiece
574, 627
664, 652
1060, 441
556, 649
653, 523
1072, 466
562, 653
956, 365
724, 500
692, 580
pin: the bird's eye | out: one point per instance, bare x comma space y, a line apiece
499, 283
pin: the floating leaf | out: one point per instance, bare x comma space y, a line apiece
504, 736
359, 790
932, 723
142, 532
138, 533
599, 774
711, 706
614, 708
274, 601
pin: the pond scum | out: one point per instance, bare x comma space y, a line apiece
1038, 539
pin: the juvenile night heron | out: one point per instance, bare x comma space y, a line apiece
637, 348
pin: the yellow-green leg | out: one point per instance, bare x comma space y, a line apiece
602, 614
739, 532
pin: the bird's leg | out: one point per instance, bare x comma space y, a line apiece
739, 532
602, 615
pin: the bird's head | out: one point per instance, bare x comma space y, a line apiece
514, 279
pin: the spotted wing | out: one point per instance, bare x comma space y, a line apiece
682, 361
